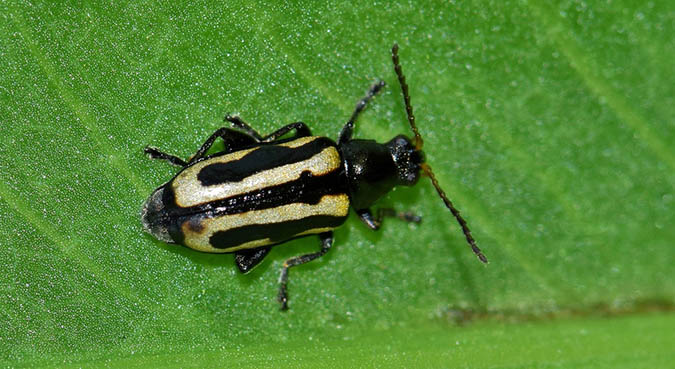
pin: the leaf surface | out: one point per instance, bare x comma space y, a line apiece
549, 126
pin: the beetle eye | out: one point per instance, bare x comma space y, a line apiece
418, 157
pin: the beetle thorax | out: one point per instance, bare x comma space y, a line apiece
373, 169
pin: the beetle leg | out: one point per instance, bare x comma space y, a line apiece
374, 222
348, 129
156, 154
238, 123
301, 129
246, 260
326, 243
233, 140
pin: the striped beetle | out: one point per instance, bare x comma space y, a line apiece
262, 191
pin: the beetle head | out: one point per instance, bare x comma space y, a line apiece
153, 216
407, 158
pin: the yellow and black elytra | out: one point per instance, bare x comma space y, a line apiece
262, 191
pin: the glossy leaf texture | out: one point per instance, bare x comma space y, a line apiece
550, 126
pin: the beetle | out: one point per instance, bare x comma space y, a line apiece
261, 191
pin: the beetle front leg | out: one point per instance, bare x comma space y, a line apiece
348, 129
374, 222
326, 243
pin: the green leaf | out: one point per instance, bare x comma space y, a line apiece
550, 126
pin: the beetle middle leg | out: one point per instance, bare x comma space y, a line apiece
301, 129
374, 222
326, 243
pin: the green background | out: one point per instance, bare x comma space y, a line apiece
550, 125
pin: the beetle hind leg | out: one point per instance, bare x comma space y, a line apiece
246, 260
232, 139
155, 153
236, 122
326, 243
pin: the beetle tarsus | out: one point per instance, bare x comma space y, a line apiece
155, 153
406, 216
237, 122
375, 222
283, 282
326, 243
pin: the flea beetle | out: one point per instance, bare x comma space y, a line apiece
261, 191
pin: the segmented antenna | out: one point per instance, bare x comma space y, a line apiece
425, 167
406, 98
465, 228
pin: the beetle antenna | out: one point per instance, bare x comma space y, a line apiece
406, 97
425, 167
465, 228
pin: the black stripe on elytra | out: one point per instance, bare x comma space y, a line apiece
262, 158
276, 232
307, 189
170, 221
